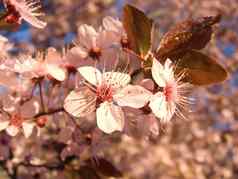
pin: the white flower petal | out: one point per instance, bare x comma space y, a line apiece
161, 108
132, 96
27, 128
56, 72
28, 15
158, 73
12, 130
91, 74
3, 124
80, 103
110, 118
116, 79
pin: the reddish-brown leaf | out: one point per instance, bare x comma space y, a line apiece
107, 168
186, 35
201, 69
87, 172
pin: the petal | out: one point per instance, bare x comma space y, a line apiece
27, 128
27, 14
110, 118
110, 23
56, 72
168, 68
91, 74
53, 56
161, 108
33, 20
80, 51
12, 130
158, 73
87, 36
3, 124
116, 79
80, 103
106, 39
132, 96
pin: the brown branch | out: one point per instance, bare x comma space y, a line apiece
51, 111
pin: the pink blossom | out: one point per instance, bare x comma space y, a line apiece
23, 9
116, 26
41, 66
107, 92
16, 117
166, 103
94, 46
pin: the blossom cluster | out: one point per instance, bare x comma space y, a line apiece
94, 78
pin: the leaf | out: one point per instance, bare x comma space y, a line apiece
201, 69
87, 172
187, 35
106, 168
138, 28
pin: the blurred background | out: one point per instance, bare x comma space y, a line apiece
205, 146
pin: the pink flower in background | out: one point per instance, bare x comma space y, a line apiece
107, 92
5, 46
41, 66
94, 46
116, 26
24, 9
16, 117
165, 103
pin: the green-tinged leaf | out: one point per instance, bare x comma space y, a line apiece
138, 28
201, 69
187, 35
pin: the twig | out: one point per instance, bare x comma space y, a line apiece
52, 111
41, 97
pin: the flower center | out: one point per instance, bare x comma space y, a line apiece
95, 53
170, 92
104, 92
16, 120
13, 16
125, 42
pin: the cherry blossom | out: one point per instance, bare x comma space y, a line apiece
116, 26
107, 92
23, 9
16, 117
41, 66
94, 46
166, 103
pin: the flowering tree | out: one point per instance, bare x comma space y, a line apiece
92, 92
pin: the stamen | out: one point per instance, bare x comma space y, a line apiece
95, 53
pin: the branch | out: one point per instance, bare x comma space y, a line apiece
52, 111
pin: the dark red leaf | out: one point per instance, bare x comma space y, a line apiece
186, 35
201, 69
107, 168
87, 172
